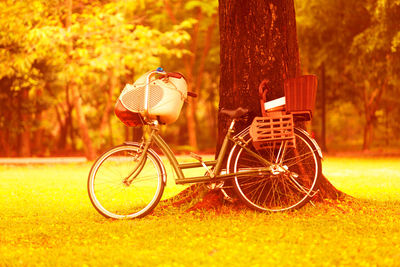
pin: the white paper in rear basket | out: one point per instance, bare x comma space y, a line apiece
275, 103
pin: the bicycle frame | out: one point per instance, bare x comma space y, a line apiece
217, 164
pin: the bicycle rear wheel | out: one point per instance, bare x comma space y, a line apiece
121, 186
291, 182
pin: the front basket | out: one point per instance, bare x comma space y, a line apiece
129, 118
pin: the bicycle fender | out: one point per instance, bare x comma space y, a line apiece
313, 141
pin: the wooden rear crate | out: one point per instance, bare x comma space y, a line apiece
271, 130
300, 93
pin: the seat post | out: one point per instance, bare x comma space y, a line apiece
232, 125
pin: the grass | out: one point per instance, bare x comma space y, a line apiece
46, 219
372, 178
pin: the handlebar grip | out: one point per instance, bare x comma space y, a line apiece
174, 75
191, 94
169, 74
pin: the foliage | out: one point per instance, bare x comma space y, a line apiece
29, 55
103, 39
47, 219
43, 49
200, 66
104, 44
97, 46
357, 42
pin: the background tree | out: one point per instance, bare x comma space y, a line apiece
357, 43
62, 64
199, 65
112, 42
29, 56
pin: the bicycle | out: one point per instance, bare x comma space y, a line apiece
128, 180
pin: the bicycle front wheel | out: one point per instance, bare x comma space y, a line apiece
291, 182
122, 185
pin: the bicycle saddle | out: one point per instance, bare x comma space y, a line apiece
235, 113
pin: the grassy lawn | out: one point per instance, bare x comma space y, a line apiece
46, 219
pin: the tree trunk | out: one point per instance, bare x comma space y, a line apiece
69, 95
191, 123
37, 138
371, 105
5, 146
6, 116
90, 152
258, 42
37, 134
24, 148
62, 132
323, 109
368, 133
192, 102
105, 119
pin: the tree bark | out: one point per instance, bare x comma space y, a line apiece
192, 102
258, 42
105, 119
7, 140
90, 152
24, 146
323, 109
371, 105
37, 136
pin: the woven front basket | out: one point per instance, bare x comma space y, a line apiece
164, 100
272, 130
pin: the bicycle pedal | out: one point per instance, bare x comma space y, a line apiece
212, 186
215, 186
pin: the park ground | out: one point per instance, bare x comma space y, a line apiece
46, 219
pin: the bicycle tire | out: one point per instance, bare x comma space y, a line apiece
283, 190
113, 196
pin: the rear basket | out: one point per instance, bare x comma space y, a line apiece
270, 131
300, 93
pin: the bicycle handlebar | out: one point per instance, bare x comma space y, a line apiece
176, 75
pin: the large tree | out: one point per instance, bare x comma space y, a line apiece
258, 43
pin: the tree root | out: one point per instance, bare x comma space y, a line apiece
183, 197
328, 191
201, 198
200, 195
